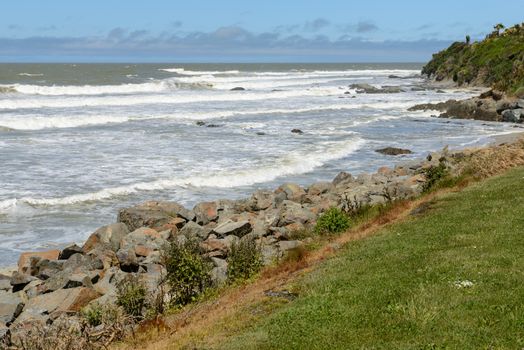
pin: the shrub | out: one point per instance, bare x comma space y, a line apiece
187, 271
244, 260
333, 220
93, 314
434, 175
131, 296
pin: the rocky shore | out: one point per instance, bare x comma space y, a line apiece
55, 285
491, 105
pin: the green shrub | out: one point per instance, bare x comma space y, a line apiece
244, 260
187, 271
131, 296
93, 314
434, 175
333, 220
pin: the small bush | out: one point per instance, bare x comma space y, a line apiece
434, 175
244, 260
332, 221
93, 314
131, 296
187, 271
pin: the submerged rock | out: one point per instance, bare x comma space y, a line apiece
238, 88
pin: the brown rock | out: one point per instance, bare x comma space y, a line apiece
24, 259
205, 212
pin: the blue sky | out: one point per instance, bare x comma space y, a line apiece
243, 31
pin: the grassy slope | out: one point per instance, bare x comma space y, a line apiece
397, 289
496, 61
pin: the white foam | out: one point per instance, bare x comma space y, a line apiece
16, 103
38, 122
31, 74
182, 71
297, 162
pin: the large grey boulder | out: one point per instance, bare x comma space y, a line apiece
292, 191
261, 200
194, 230
109, 236
156, 215
513, 115
143, 241
292, 212
319, 188
239, 228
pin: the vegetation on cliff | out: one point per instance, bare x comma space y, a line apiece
497, 61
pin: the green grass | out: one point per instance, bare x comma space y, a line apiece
399, 288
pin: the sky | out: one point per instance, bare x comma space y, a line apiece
243, 30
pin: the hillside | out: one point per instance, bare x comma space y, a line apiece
497, 61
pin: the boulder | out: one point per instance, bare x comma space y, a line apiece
292, 212
342, 177
393, 151
218, 275
319, 188
142, 241
238, 88
24, 261
194, 230
154, 215
206, 212
513, 115
297, 131
19, 280
46, 268
84, 262
60, 301
109, 236
239, 228
261, 200
128, 259
293, 191
5, 282
70, 250
11, 305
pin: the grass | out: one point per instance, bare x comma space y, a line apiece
449, 278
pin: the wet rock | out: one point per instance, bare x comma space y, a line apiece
11, 305
370, 89
238, 88
205, 212
70, 250
238, 229
153, 214
194, 230
297, 131
109, 236
393, 151
513, 115
24, 261
200, 123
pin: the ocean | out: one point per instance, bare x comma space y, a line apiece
80, 141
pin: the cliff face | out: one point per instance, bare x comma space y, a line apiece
497, 61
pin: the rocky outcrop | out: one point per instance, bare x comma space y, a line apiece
370, 89
489, 106
393, 151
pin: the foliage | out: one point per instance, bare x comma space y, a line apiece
244, 260
334, 220
131, 296
93, 314
497, 61
434, 174
187, 271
